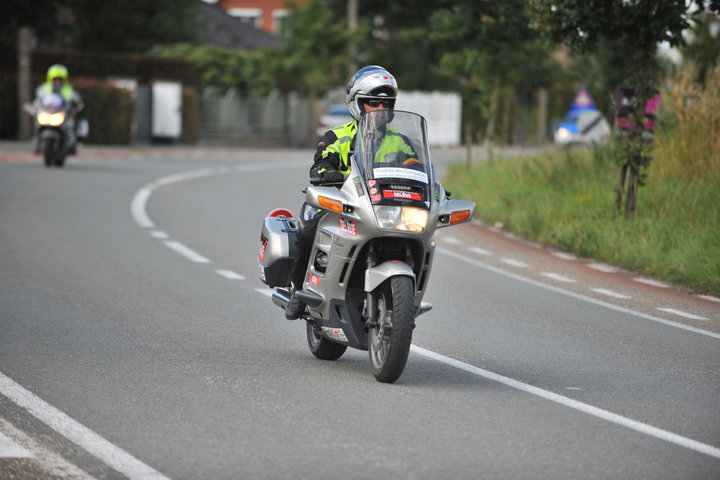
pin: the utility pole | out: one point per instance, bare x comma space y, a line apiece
352, 20
26, 44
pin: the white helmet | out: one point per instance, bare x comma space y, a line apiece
369, 82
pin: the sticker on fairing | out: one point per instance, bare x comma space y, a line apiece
401, 194
394, 172
348, 226
336, 333
261, 253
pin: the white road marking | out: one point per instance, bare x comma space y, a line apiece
513, 262
617, 308
603, 267
709, 297
265, 291
159, 234
452, 240
51, 462
138, 206
10, 449
77, 433
186, 252
574, 404
558, 277
230, 275
653, 283
682, 314
480, 251
609, 293
564, 256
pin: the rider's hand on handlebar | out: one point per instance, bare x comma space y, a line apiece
332, 176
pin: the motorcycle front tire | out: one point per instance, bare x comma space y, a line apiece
321, 347
389, 341
48, 148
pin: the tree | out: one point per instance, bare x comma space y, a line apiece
489, 45
634, 27
132, 25
704, 47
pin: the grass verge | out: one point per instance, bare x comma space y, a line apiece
564, 199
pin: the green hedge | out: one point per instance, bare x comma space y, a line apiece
109, 110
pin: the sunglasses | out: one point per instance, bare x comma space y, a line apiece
376, 102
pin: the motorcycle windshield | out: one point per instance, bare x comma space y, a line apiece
392, 153
52, 102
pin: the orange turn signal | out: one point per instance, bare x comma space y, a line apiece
459, 216
331, 204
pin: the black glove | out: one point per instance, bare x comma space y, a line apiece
332, 176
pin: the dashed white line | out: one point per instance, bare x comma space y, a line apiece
159, 234
603, 267
452, 240
609, 293
574, 404
564, 256
186, 252
653, 283
558, 277
480, 251
513, 262
585, 298
682, 314
709, 297
230, 275
10, 449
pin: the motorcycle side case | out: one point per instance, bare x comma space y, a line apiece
277, 249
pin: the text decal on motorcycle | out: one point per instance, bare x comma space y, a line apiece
348, 226
399, 194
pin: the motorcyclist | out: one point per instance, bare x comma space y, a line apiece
58, 82
371, 88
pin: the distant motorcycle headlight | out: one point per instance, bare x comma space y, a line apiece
52, 119
410, 219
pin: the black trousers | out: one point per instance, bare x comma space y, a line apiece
303, 247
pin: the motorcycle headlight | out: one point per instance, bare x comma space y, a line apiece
411, 219
52, 119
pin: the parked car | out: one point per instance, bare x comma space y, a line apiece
333, 116
582, 127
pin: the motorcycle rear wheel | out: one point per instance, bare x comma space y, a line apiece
389, 341
321, 347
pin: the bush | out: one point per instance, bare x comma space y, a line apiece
190, 117
109, 110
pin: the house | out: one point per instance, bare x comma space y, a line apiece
225, 31
266, 15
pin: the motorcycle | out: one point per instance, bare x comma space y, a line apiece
373, 248
56, 134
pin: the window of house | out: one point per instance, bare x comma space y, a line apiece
253, 16
278, 17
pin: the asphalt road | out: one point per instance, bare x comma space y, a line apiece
136, 341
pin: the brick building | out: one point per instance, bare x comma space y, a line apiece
263, 14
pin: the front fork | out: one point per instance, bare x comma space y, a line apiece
370, 299
371, 312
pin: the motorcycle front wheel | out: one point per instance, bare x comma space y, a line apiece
49, 152
321, 347
389, 341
